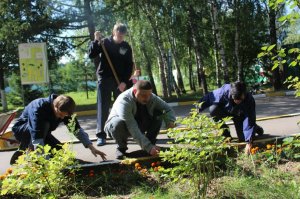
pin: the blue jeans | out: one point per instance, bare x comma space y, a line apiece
106, 86
218, 113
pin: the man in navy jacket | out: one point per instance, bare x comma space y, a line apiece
42, 116
233, 100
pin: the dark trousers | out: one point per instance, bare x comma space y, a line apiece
118, 130
218, 113
23, 135
106, 86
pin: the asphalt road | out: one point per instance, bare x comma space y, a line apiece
270, 106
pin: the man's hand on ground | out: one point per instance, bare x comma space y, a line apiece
248, 148
96, 152
155, 151
171, 125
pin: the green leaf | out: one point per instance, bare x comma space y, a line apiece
264, 47
288, 140
47, 148
293, 63
271, 47
281, 54
297, 156
275, 66
281, 19
291, 50
261, 55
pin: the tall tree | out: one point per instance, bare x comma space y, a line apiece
163, 63
237, 40
32, 21
148, 66
277, 84
197, 48
171, 17
220, 46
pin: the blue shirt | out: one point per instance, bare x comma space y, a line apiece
246, 108
39, 112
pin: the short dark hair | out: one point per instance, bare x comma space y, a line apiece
64, 104
238, 89
121, 28
143, 85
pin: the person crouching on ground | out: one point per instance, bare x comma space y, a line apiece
233, 100
42, 116
138, 112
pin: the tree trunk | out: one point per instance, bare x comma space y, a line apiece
162, 55
148, 66
171, 76
176, 63
273, 40
190, 65
89, 18
91, 27
2, 87
199, 61
238, 60
218, 81
164, 61
237, 42
214, 15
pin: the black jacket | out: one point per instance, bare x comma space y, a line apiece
120, 56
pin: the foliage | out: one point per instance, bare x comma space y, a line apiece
72, 125
269, 172
199, 152
284, 55
270, 183
294, 83
29, 21
36, 175
77, 75
292, 148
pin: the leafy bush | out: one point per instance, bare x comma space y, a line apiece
292, 147
36, 176
200, 151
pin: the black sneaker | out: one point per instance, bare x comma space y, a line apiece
15, 156
259, 130
120, 154
226, 133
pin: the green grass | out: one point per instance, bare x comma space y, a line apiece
81, 97
84, 103
145, 191
269, 184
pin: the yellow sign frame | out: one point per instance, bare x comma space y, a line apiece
33, 62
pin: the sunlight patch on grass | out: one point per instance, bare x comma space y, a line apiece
80, 98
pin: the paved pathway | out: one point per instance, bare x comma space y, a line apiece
265, 107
